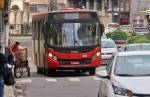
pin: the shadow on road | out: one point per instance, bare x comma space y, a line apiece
60, 74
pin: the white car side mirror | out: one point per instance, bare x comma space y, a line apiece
102, 74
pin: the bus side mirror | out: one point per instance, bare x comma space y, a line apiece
101, 29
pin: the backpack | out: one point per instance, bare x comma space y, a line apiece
8, 75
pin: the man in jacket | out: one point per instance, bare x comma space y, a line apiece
3, 61
11, 52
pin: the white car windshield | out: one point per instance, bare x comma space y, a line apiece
108, 44
135, 65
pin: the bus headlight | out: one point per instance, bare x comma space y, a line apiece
52, 56
96, 55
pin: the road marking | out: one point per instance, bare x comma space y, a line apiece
26, 80
95, 78
51, 80
74, 79
18, 81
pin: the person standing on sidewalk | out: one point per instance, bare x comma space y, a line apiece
3, 61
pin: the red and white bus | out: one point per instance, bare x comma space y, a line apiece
67, 39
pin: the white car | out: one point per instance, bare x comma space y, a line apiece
108, 48
126, 75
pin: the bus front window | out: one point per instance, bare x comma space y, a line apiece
73, 34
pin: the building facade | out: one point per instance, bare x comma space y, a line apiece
41, 6
4, 11
109, 10
19, 17
138, 10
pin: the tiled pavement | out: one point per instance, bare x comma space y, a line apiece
8, 91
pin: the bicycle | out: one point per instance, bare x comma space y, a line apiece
21, 64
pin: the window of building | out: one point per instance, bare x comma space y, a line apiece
91, 2
99, 5
42, 7
79, 3
33, 8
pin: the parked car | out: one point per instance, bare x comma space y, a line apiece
127, 28
108, 48
137, 47
111, 27
140, 31
126, 75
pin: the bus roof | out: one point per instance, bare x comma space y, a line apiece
68, 10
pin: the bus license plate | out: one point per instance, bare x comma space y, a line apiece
74, 62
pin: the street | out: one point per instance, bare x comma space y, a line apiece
64, 84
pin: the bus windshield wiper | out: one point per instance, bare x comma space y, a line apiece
125, 75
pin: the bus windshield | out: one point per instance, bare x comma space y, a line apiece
73, 34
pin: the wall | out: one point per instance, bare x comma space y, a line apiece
136, 6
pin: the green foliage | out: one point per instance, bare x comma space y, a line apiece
138, 39
117, 35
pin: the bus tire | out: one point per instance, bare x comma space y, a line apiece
46, 72
77, 71
52, 71
92, 71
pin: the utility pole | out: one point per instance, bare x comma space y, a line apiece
112, 10
119, 12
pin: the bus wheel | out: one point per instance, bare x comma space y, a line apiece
52, 71
92, 71
77, 71
46, 72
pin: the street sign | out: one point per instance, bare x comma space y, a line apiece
1, 4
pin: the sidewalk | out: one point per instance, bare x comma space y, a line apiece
8, 91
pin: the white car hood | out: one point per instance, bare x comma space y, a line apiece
109, 50
138, 85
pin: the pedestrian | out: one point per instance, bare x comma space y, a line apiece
11, 52
3, 61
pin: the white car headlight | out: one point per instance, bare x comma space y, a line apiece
122, 91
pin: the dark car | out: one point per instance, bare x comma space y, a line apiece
141, 31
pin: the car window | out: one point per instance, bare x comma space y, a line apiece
138, 30
145, 47
138, 47
108, 44
113, 25
135, 65
133, 48
126, 27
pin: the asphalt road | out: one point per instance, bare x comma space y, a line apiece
65, 84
